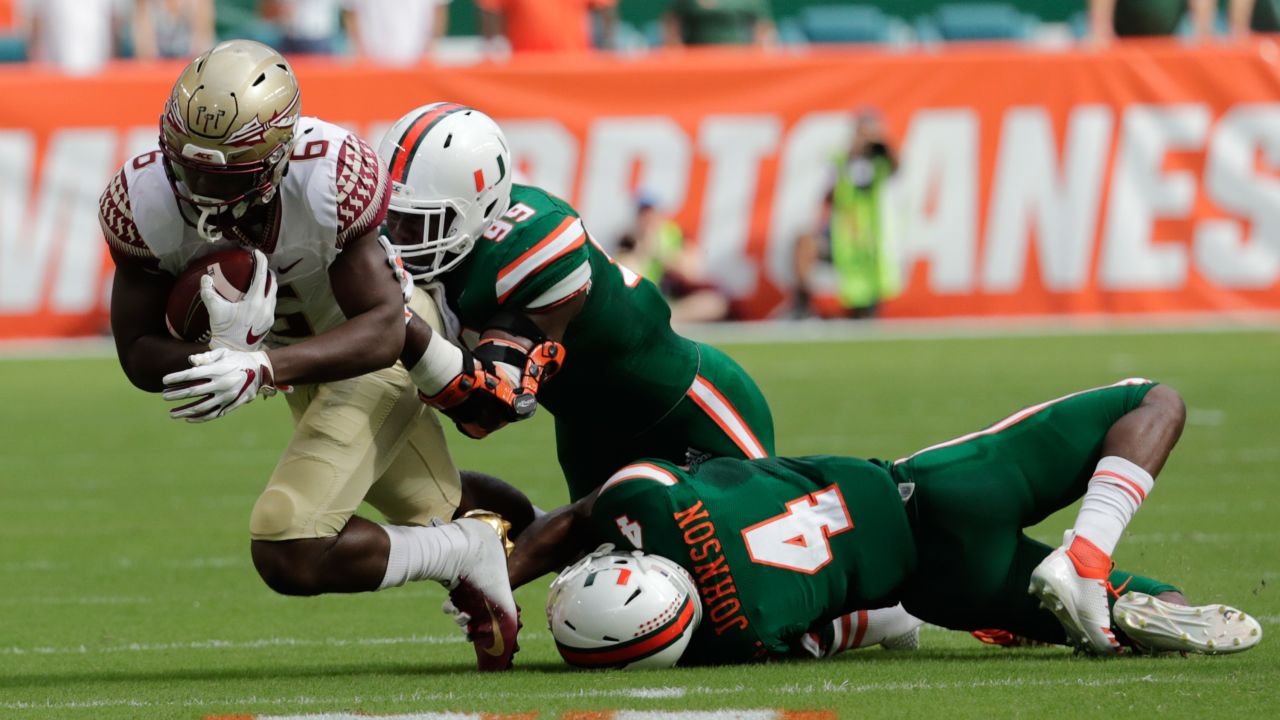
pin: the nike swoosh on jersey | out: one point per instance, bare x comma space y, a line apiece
285, 270
253, 339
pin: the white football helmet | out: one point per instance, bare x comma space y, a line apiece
623, 610
450, 179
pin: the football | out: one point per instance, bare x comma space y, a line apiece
185, 314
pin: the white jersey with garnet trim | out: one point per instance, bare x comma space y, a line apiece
336, 190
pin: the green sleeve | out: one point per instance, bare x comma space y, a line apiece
634, 514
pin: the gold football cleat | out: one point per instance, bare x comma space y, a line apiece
499, 525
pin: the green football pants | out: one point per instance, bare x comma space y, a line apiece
723, 414
975, 494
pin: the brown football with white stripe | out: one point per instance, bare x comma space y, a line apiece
185, 314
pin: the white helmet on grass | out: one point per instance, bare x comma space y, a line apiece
450, 179
623, 610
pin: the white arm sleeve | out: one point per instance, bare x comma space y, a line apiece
572, 283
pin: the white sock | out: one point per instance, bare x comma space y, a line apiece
1116, 490
881, 624
423, 553
862, 628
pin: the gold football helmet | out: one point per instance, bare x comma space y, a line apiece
228, 129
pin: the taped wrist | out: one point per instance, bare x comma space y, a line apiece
439, 365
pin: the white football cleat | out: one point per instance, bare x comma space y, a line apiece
1159, 626
482, 593
1072, 584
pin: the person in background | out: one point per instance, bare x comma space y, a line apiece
655, 248
76, 36
307, 27
172, 28
1245, 17
1109, 19
718, 22
851, 236
549, 25
8, 16
394, 32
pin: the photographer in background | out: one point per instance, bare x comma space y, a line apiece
849, 247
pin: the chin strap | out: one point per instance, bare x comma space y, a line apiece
204, 228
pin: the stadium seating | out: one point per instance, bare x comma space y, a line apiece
845, 24
13, 48
976, 21
799, 22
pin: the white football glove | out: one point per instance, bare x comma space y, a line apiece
220, 380
402, 276
242, 325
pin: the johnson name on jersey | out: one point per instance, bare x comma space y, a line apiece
336, 189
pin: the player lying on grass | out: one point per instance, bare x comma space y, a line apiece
742, 560
538, 313
238, 166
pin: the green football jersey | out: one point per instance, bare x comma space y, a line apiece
776, 546
620, 345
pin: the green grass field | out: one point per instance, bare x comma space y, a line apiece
126, 588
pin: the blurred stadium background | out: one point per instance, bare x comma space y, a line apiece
891, 170
1040, 165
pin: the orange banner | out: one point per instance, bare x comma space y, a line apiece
1139, 179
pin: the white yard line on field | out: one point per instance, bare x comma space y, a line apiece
32, 565
85, 600
721, 714
254, 644
207, 563
92, 347
665, 692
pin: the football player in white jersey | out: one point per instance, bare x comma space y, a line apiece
237, 165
